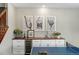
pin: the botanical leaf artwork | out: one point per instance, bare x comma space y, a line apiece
50, 22
39, 23
28, 22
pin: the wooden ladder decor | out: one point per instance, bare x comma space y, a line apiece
3, 31
3, 26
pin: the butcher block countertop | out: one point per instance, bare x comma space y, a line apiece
44, 38
38, 38
19, 38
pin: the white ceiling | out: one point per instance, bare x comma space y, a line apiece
48, 5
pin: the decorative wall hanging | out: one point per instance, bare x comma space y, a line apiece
39, 23
51, 23
29, 22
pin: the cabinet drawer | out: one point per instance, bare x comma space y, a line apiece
52, 43
60, 43
18, 42
18, 45
44, 43
36, 40
36, 43
19, 52
19, 48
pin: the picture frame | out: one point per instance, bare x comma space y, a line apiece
39, 24
28, 22
30, 33
50, 23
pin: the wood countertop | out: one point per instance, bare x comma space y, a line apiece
44, 38
19, 38
38, 38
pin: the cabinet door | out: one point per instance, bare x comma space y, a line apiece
52, 43
19, 47
60, 43
18, 42
18, 52
36, 43
44, 43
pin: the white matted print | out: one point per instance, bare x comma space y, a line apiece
28, 22
39, 24
50, 23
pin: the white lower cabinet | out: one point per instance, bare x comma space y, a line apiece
36, 43
18, 47
48, 43
52, 43
60, 43
44, 43
18, 52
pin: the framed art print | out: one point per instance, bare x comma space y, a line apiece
50, 23
39, 23
28, 20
